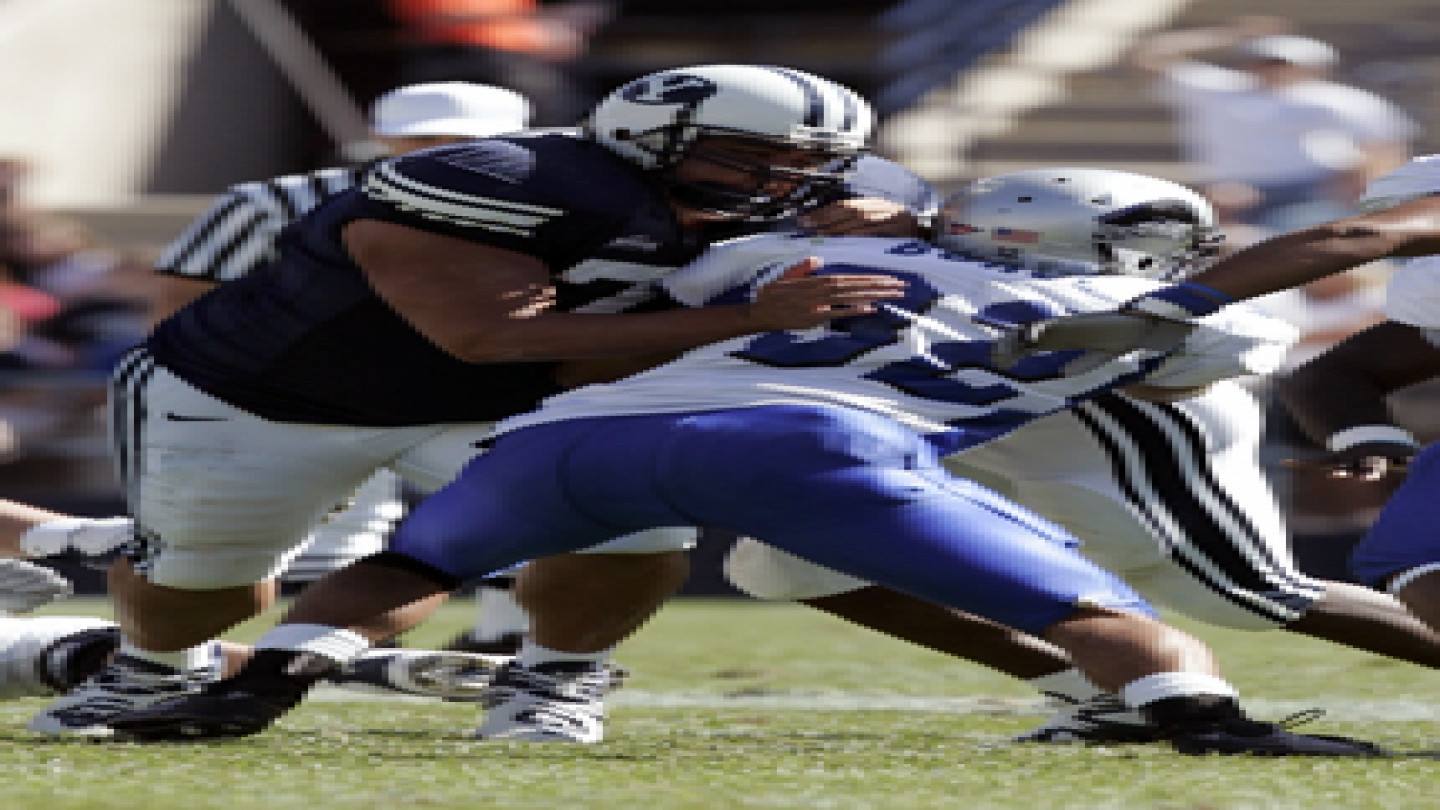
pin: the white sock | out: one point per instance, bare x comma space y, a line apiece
532, 655
191, 658
1144, 691
335, 643
1070, 684
498, 614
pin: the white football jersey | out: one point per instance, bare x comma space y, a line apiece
921, 360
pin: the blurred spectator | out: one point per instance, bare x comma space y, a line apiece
69, 307
1273, 142
521, 44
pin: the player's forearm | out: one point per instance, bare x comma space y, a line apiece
1296, 258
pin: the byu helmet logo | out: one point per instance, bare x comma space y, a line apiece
675, 88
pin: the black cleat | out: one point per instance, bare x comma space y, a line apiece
217, 712
1245, 736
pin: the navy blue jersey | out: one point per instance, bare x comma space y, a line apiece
305, 339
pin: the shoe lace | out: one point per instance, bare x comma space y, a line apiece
1304, 716
1300, 718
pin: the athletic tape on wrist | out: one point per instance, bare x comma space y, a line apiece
1360, 434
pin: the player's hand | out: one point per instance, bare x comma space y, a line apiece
862, 216
25, 586
801, 300
1367, 461
1104, 335
89, 538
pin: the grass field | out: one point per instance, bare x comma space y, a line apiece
744, 705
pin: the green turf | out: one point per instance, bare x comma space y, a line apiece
721, 713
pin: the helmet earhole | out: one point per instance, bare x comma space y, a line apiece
621, 134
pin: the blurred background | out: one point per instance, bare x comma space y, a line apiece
125, 117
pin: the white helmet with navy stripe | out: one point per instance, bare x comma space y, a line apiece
656, 120
1068, 221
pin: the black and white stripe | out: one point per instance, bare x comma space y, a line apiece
238, 232
1158, 456
817, 106
127, 421
388, 184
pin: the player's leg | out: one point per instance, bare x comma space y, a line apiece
507, 507
1084, 712
222, 500
938, 534
356, 527
1175, 501
581, 606
500, 622
853, 477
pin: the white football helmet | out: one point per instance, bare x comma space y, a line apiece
656, 121
1069, 221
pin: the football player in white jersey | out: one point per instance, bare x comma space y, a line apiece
1170, 496
826, 442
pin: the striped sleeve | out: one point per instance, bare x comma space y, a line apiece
238, 232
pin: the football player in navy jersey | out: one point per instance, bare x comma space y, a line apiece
401, 316
825, 442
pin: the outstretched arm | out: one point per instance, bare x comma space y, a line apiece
1409, 229
1159, 320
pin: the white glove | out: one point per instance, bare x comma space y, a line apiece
25, 586
87, 537
1104, 335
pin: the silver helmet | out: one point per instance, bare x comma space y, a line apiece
1071, 221
656, 121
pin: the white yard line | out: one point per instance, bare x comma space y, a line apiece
1340, 710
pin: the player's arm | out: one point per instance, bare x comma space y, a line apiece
1161, 319
1409, 229
1339, 398
485, 304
